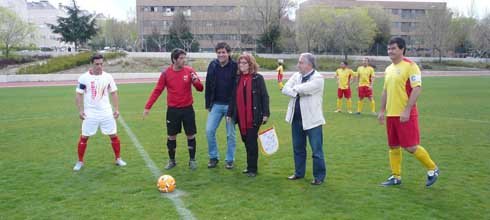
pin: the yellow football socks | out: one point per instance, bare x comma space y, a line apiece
396, 162
423, 156
373, 106
339, 104
359, 106
349, 105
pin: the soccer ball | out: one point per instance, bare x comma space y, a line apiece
166, 183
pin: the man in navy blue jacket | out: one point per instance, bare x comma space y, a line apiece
220, 80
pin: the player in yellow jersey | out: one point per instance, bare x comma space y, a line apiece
365, 77
344, 76
280, 73
402, 87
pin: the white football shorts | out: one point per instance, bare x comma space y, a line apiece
107, 125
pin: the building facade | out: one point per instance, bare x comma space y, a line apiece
210, 21
41, 13
405, 15
17, 6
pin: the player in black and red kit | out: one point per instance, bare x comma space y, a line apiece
178, 78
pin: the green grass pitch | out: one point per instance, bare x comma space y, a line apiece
39, 129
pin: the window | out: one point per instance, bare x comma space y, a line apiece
187, 12
396, 25
406, 26
419, 12
408, 14
395, 11
169, 11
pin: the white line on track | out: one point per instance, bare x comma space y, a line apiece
174, 196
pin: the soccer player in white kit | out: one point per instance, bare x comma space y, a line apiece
92, 98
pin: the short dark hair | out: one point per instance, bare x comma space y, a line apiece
176, 54
400, 42
222, 45
345, 62
96, 56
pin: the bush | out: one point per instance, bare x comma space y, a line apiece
264, 63
268, 64
16, 59
64, 62
329, 64
426, 66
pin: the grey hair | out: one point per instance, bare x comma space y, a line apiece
310, 58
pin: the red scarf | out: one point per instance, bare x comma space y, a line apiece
244, 103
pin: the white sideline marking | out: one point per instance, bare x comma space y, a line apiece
174, 196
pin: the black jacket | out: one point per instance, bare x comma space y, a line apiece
260, 100
209, 92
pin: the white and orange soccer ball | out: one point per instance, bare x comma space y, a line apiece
166, 183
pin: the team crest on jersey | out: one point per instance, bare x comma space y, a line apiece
186, 78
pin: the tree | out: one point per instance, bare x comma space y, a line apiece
269, 14
435, 28
383, 29
13, 31
288, 36
77, 28
481, 37
157, 40
310, 27
460, 30
114, 33
354, 30
324, 29
180, 35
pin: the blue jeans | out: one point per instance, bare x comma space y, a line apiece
214, 118
315, 136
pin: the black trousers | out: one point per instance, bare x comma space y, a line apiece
252, 147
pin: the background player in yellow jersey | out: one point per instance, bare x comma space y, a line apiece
402, 87
344, 76
365, 77
280, 73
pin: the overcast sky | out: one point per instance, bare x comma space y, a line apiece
120, 8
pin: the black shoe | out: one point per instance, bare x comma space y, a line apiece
294, 177
212, 163
171, 164
229, 165
316, 182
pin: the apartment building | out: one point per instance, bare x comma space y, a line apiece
210, 21
405, 15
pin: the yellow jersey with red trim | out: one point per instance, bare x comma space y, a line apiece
365, 74
280, 70
344, 76
400, 79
